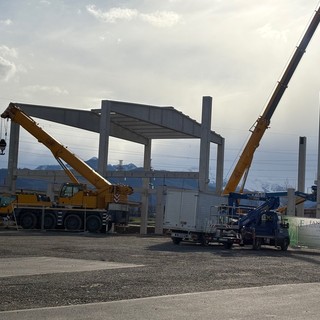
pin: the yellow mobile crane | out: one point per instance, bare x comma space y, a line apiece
243, 165
77, 206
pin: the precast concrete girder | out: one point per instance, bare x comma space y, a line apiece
60, 175
82, 119
157, 122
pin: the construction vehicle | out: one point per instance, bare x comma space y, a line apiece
247, 219
200, 219
77, 207
242, 167
261, 224
258, 226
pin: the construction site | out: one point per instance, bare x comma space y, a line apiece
87, 201
74, 244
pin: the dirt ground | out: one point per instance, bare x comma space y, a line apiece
167, 268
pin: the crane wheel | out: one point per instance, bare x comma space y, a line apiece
73, 222
50, 221
94, 224
28, 220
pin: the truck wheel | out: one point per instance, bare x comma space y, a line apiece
256, 244
28, 220
72, 222
284, 245
228, 245
176, 240
94, 224
50, 221
109, 226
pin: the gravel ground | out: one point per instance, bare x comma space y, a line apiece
168, 268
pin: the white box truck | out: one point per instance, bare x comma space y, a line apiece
195, 216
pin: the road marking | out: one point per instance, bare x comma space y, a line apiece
13, 267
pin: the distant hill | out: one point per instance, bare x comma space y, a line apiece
37, 185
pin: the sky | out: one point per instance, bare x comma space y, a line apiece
166, 53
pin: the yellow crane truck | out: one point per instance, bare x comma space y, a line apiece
77, 207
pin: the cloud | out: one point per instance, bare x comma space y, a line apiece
161, 18
113, 14
8, 52
6, 22
7, 67
47, 89
268, 32
157, 18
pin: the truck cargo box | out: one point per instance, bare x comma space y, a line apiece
191, 210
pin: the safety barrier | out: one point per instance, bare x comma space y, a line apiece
304, 232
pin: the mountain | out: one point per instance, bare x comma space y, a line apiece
38, 185
93, 163
265, 186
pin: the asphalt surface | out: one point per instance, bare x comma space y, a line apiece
281, 302
155, 267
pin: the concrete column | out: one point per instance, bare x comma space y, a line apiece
205, 144
219, 170
160, 210
50, 191
145, 189
301, 172
13, 156
104, 137
318, 173
291, 202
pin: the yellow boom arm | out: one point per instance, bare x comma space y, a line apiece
60, 152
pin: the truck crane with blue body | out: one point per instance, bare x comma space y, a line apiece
258, 225
77, 207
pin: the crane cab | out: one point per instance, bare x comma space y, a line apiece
76, 195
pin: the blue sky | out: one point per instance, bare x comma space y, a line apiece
166, 53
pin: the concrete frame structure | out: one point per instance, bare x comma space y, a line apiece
136, 123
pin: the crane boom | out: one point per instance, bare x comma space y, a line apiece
58, 150
241, 169
76, 207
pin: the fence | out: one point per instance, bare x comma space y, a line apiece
304, 232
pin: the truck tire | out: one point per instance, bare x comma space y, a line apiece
176, 240
73, 222
256, 244
228, 245
93, 224
28, 220
284, 245
50, 221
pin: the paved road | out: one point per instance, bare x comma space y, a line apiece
299, 301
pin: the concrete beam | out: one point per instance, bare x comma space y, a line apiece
56, 174
166, 117
82, 119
